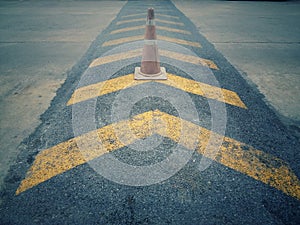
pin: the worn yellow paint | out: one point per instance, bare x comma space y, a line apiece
79, 150
144, 19
208, 91
188, 58
179, 41
143, 27
127, 29
133, 15
170, 22
259, 165
166, 15
138, 52
131, 21
116, 57
144, 14
187, 85
141, 37
232, 153
123, 40
103, 88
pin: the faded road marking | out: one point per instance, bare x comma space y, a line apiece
127, 81
141, 37
169, 54
233, 154
126, 29
143, 19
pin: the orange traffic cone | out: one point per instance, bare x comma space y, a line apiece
150, 67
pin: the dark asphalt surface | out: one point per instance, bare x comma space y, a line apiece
217, 195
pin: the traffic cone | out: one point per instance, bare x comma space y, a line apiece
150, 67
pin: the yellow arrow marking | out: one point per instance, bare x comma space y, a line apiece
254, 163
141, 37
143, 27
138, 52
191, 86
143, 19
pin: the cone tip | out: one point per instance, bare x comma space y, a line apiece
150, 14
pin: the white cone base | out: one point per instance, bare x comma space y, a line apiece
138, 75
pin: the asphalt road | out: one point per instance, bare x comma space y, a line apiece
261, 40
40, 42
161, 136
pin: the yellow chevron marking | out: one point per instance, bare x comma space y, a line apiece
144, 19
252, 162
157, 14
138, 52
143, 27
187, 85
141, 37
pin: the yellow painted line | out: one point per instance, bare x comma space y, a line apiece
191, 86
168, 16
169, 22
141, 37
133, 15
144, 14
103, 88
67, 155
251, 162
202, 89
173, 30
131, 21
123, 40
157, 27
128, 29
165, 53
116, 57
179, 41
143, 19
188, 58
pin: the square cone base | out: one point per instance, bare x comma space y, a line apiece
138, 75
